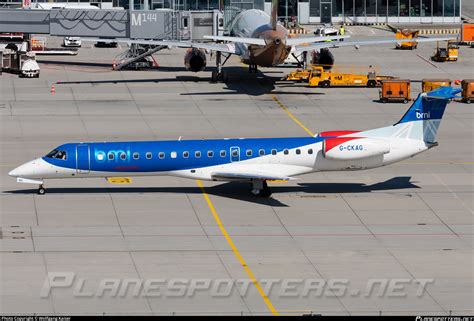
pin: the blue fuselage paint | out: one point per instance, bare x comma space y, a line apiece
175, 155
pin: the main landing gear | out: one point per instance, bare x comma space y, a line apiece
253, 68
41, 190
261, 189
219, 75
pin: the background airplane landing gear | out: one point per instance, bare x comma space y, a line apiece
261, 189
219, 76
41, 190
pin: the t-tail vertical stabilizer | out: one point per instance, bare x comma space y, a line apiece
422, 119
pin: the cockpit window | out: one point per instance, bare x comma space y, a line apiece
58, 154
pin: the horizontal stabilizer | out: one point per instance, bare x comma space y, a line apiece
301, 40
250, 41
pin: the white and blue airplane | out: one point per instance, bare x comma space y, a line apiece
255, 160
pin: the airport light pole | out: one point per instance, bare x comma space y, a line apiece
286, 13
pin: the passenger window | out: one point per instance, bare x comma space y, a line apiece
123, 156
111, 156
161, 155
274, 151
286, 152
210, 153
261, 152
173, 154
223, 153
298, 152
235, 153
249, 152
148, 155
310, 151
58, 154
186, 154
136, 155
197, 154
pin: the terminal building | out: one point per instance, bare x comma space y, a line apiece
309, 11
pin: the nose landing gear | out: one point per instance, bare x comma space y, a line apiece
41, 190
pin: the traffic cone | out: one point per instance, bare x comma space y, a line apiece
457, 82
53, 89
114, 65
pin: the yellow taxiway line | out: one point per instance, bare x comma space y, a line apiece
291, 115
236, 251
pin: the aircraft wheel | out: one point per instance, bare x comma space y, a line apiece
214, 76
41, 190
225, 77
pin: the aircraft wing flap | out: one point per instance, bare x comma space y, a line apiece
247, 176
337, 44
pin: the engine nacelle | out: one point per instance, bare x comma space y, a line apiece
195, 59
324, 58
353, 148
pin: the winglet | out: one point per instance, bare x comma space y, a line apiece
274, 16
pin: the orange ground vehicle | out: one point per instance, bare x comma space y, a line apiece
467, 33
395, 91
432, 84
467, 86
407, 34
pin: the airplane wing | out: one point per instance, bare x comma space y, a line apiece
301, 40
335, 44
228, 48
247, 175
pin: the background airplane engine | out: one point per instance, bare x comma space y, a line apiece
350, 148
324, 57
195, 59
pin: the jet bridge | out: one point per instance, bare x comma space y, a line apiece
163, 24
113, 23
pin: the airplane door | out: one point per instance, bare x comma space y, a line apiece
83, 163
234, 154
326, 14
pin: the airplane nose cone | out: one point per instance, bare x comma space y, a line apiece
26, 170
14, 172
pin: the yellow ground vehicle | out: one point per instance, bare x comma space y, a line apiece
431, 84
450, 53
318, 77
298, 75
406, 34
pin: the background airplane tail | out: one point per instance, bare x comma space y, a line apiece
422, 119
274, 16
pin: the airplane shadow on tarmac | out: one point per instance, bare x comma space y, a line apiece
240, 82
240, 191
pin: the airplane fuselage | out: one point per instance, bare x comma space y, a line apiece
256, 24
201, 159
